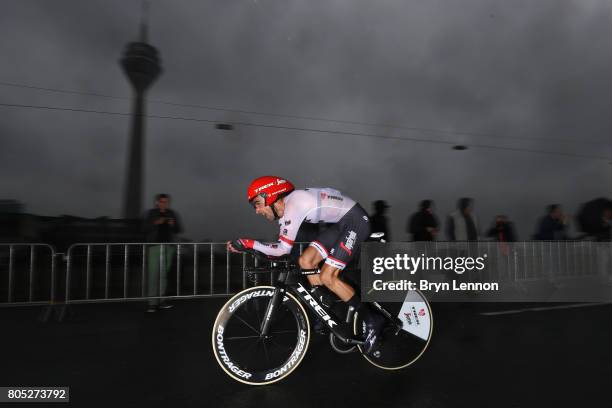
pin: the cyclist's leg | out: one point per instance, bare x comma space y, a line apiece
317, 251
343, 251
310, 259
330, 277
329, 274
355, 229
337, 246
350, 232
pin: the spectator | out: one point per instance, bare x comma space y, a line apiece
604, 254
378, 220
553, 227
605, 234
461, 224
161, 224
423, 225
593, 218
502, 230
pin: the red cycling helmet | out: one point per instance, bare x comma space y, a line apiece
269, 187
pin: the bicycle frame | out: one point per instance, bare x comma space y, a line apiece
338, 327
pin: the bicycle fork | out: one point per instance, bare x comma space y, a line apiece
273, 304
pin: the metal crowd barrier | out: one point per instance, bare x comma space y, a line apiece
27, 274
124, 271
525, 261
542, 260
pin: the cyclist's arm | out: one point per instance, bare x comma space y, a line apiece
285, 241
272, 248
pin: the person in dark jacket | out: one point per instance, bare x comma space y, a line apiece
553, 226
378, 220
423, 225
605, 233
161, 225
502, 230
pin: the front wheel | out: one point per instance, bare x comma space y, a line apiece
401, 344
246, 355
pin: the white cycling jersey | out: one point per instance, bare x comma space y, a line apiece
312, 205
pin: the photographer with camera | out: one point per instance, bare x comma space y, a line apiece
161, 224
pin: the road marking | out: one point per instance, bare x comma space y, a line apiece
543, 309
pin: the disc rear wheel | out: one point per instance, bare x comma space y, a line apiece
403, 343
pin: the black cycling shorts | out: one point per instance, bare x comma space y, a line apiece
340, 242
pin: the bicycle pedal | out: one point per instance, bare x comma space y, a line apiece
340, 347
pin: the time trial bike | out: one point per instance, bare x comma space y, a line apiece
261, 334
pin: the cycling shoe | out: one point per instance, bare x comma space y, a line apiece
373, 323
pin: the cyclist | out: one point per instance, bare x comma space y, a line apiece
276, 199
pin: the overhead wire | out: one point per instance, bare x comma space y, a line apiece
312, 130
315, 118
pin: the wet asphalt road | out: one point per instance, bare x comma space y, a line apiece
116, 355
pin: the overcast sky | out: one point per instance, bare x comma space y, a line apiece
522, 74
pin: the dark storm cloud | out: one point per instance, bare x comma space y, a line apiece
501, 68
